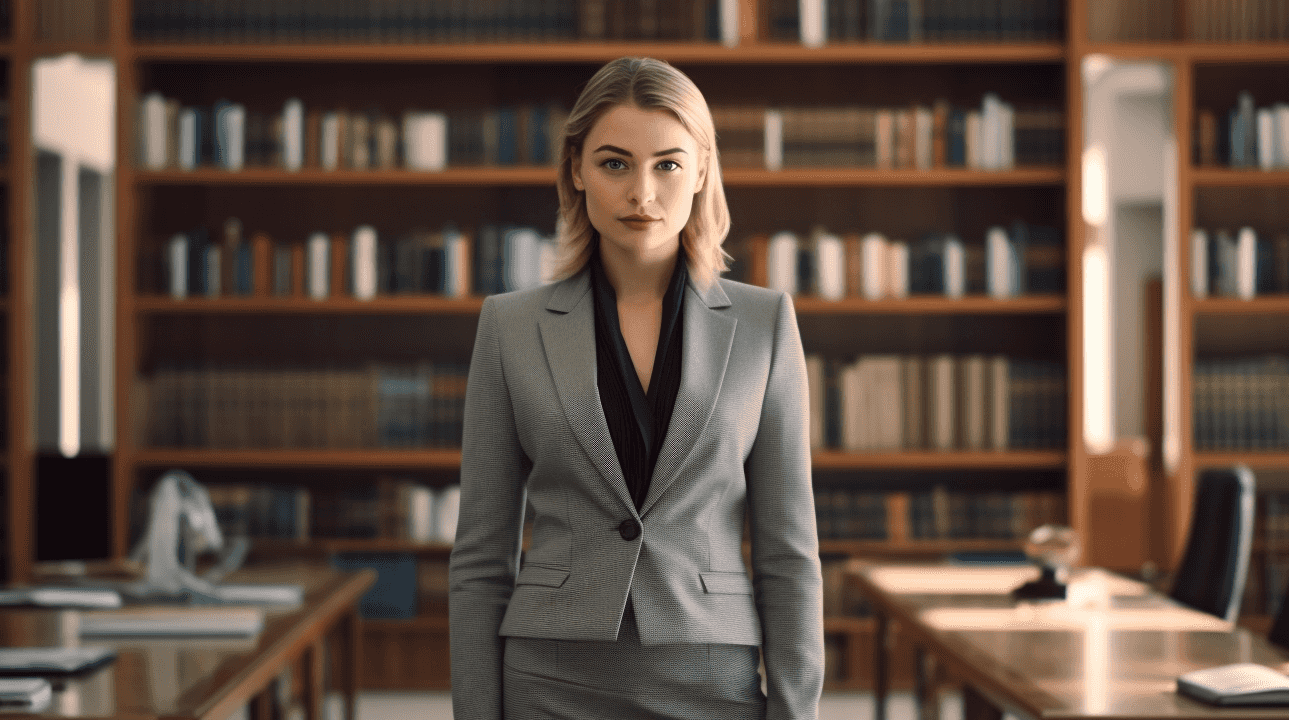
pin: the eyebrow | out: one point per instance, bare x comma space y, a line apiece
620, 151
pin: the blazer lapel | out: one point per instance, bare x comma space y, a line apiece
708, 338
568, 338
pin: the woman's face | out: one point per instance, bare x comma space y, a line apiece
640, 170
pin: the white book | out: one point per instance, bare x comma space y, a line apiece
188, 149
1265, 122
999, 389
922, 136
851, 418
233, 124
1246, 263
873, 252
363, 262
1006, 136
293, 134
1281, 135
888, 400
897, 269
25, 695
214, 271
158, 620
781, 262
420, 514
329, 130
813, 23
1228, 261
64, 597
972, 138
425, 139
41, 660
1199, 264
177, 254
998, 263
1236, 684
991, 132
773, 139
153, 131
816, 390
830, 265
456, 263
447, 508
941, 402
317, 274
729, 23
955, 268
522, 261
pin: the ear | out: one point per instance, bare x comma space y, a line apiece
702, 177
575, 167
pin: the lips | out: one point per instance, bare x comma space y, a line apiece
638, 218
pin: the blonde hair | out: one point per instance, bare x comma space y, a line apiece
648, 84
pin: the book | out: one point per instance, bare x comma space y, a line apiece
781, 265
394, 594
52, 660
163, 620
25, 695
59, 597
1238, 684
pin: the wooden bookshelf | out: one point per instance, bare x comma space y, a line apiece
151, 203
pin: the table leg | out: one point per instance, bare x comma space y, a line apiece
313, 690
881, 628
976, 707
353, 666
926, 684
261, 707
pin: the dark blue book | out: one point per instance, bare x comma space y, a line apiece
539, 135
243, 282
806, 270
393, 596
1045, 261
488, 260
1264, 268
507, 136
198, 240
956, 137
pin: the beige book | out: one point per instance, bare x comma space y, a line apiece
972, 413
912, 384
942, 411
999, 411
815, 383
885, 139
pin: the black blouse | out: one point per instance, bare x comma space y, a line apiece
637, 421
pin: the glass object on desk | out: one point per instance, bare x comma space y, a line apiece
1054, 548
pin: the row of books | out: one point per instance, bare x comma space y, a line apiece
995, 136
379, 406
1027, 259
363, 264
391, 508
1247, 136
937, 402
1205, 20
817, 22
940, 514
1241, 403
1243, 265
229, 136
440, 21
1265, 592
69, 21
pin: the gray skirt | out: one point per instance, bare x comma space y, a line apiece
624, 680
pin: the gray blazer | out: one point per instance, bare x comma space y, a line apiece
738, 447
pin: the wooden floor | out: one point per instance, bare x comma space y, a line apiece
438, 706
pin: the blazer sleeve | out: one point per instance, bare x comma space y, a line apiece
785, 545
485, 555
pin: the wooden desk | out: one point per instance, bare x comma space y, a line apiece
210, 678
1113, 650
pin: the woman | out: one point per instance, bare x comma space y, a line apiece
643, 408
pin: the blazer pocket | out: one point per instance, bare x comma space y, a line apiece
726, 583
539, 575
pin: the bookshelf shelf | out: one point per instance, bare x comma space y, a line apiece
87, 49
933, 305
395, 305
294, 458
538, 176
1266, 305
1223, 177
1253, 458
948, 460
1233, 52
598, 52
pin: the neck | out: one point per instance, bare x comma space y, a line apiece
638, 278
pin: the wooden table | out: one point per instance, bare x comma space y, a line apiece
1112, 650
211, 678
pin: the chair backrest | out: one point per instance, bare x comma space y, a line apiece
1280, 628
1213, 569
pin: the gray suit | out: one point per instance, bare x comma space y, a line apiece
738, 446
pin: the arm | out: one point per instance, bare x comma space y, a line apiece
785, 544
485, 556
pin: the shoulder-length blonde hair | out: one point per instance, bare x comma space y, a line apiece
648, 84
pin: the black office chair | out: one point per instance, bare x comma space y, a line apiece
1280, 628
1213, 569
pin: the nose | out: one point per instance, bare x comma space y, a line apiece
643, 188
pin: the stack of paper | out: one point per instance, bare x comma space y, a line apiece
154, 620
72, 597
52, 660
25, 695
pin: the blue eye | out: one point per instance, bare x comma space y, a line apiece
671, 165
614, 164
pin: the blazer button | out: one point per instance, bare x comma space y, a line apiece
629, 529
